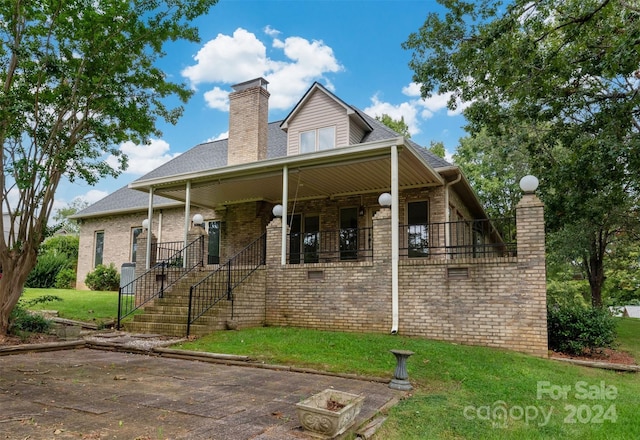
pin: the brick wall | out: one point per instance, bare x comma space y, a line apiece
496, 302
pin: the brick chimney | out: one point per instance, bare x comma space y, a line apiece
248, 122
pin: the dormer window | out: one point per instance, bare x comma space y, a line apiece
316, 140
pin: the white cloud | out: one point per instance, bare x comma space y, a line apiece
406, 110
415, 110
224, 135
92, 196
144, 158
217, 98
229, 59
271, 31
242, 56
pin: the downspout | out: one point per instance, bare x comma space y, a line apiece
285, 196
187, 219
395, 241
149, 229
447, 213
159, 234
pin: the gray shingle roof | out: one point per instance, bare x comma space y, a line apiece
211, 155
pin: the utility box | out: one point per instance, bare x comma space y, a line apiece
127, 275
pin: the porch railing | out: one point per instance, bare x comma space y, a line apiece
167, 270
467, 238
220, 284
348, 244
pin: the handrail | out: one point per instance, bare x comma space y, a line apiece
160, 277
219, 285
466, 238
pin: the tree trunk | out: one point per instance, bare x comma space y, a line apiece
595, 269
15, 271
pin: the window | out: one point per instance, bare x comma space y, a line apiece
348, 233
317, 140
135, 232
99, 251
213, 227
304, 239
418, 229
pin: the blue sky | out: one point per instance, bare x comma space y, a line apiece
352, 47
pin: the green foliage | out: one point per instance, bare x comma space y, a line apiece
397, 125
66, 245
575, 329
79, 78
104, 278
562, 79
79, 305
48, 267
61, 217
438, 149
65, 279
494, 166
21, 320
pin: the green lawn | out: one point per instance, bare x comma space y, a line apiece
80, 305
460, 392
629, 336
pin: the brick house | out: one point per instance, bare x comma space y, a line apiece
380, 235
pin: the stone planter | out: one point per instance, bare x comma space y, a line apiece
329, 413
68, 332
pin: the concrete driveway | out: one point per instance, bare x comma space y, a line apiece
99, 394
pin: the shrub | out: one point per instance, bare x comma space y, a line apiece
22, 321
65, 279
44, 274
574, 329
103, 278
66, 245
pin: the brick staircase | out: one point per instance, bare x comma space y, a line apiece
168, 315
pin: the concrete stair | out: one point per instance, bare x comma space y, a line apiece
168, 315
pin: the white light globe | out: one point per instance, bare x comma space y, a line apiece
145, 223
277, 210
198, 219
385, 199
529, 184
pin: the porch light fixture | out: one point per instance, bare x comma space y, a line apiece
277, 210
145, 223
385, 199
528, 184
198, 220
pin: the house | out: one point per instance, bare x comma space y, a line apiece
327, 219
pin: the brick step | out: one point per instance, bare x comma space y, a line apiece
168, 329
205, 320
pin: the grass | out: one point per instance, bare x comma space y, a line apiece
629, 336
460, 392
79, 305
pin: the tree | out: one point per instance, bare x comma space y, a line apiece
77, 78
397, 125
493, 165
567, 70
62, 220
438, 149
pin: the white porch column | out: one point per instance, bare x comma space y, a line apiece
187, 218
285, 198
150, 228
395, 242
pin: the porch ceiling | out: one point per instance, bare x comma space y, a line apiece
308, 179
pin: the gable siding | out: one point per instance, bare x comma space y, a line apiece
356, 134
318, 112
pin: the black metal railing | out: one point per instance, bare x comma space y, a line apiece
220, 284
349, 244
467, 238
168, 267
